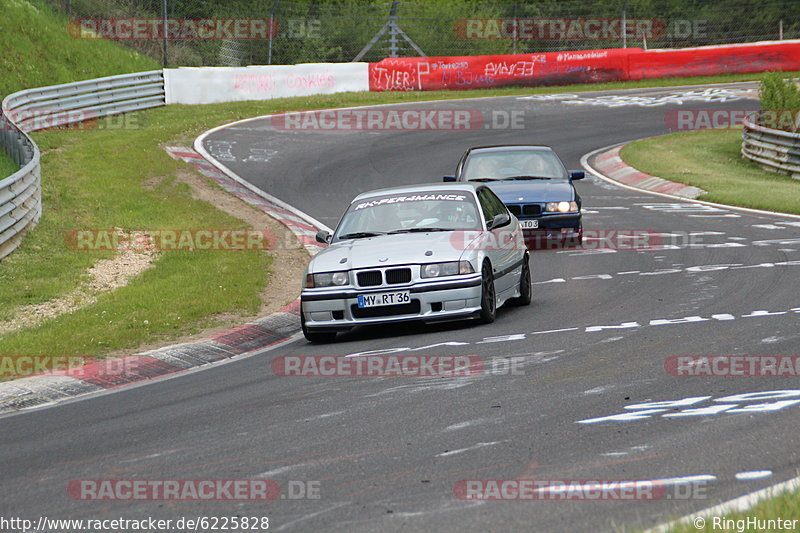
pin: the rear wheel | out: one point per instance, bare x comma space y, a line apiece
488, 297
315, 336
525, 291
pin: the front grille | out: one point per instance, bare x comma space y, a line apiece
369, 278
532, 209
411, 308
398, 275
515, 209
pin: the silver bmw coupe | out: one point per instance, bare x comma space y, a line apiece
430, 252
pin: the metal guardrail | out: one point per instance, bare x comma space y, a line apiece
775, 150
47, 107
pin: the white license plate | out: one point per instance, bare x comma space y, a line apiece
383, 298
529, 224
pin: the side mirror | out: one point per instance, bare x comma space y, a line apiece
449, 178
577, 175
503, 219
323, 236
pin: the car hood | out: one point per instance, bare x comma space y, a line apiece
400, 249
524, 191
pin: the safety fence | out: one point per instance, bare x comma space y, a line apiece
273, 32
54, 106
772, 149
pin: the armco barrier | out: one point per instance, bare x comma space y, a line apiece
772, 149
20, 193
57, 105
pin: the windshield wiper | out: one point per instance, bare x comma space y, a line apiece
530, 178
361, 234
483, 179
414, 230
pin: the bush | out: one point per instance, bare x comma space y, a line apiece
780, 102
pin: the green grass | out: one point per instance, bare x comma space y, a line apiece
711, 160
95, 179
7, 165
38, 50
786, 506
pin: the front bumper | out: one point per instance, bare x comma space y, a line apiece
336, 309
553, 226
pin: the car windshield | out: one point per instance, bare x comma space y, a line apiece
513, 164
410, 212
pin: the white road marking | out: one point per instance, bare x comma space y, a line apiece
470, 448
754, 474
553, 331
465, 424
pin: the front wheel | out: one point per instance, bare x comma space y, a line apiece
525, 291
488, 298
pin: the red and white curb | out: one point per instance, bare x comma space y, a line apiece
118, 372
48, 389
611, 165
589, 163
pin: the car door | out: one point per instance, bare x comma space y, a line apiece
500, 243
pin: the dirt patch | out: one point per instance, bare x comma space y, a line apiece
106, 275
151, 183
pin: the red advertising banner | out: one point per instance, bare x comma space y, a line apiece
582, 66
710, 60
477, 72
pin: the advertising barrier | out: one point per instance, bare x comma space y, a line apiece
712, 60
210, 85
583, 66
478, 72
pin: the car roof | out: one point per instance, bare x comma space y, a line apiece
511, 148
460, 186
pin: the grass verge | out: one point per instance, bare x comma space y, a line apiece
98, 179
711, 160
7, 165
38, 50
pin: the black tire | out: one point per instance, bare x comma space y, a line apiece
579, 238
525, 289
488, 295
319, 337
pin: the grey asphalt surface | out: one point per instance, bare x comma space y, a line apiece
387, 453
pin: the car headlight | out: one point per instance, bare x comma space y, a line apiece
452, 268
327, 279
561, 207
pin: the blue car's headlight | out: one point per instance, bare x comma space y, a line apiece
452, 268
327, 279
561, 207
